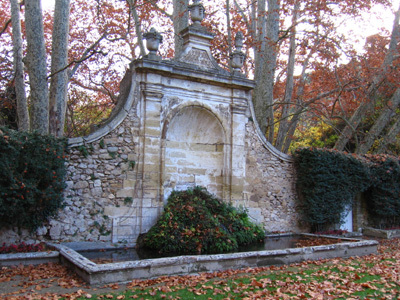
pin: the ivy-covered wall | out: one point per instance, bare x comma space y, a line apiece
328, 182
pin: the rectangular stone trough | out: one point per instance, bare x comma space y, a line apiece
180, 265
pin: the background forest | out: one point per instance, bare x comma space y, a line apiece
60, 68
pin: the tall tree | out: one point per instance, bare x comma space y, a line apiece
101, 42
283, 98
289, 88
180, 21
381, 122
390, 136
138, 26
372, 92
22, 105
37, 68
59, 73
266, 51
294, 61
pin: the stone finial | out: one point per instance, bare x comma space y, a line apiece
196, 12
238, 57
153, 41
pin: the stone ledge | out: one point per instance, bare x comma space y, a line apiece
381, 233
30, 258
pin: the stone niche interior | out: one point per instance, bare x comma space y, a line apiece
194, 152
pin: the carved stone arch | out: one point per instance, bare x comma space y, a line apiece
194, 151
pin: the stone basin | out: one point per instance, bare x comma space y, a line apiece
191, 264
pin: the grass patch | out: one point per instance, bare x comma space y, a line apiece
370, 277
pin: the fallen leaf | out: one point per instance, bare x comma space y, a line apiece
207, 287
255, 283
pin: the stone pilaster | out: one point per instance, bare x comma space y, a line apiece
238, 156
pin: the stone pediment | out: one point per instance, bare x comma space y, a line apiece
196, 48
199, 58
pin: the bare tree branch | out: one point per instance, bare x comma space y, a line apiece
86, 55
5, 26
102, 90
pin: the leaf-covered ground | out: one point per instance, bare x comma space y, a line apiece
374, 276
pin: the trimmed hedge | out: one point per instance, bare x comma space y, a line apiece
32, 169
329, 180
194, 222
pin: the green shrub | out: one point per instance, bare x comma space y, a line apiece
327, 183
194, 222
32, 169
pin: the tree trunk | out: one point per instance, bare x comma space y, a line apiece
263, 94
284, 122
229, 31
379, 124
368, 105
138, 27
22, 105
59, 59
181, 21
300, 106
390, 137
36, 63
259, 22
291, 130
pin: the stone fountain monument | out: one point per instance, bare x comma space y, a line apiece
177, 124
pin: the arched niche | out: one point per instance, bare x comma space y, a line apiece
194, 152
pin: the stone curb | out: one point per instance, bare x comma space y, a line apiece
30, 258
381, 233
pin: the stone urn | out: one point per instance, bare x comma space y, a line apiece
238, 57
196, 12
153, 41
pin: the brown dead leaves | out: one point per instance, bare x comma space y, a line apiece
33, 282
377, 275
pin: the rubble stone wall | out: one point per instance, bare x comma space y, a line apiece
270, 193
